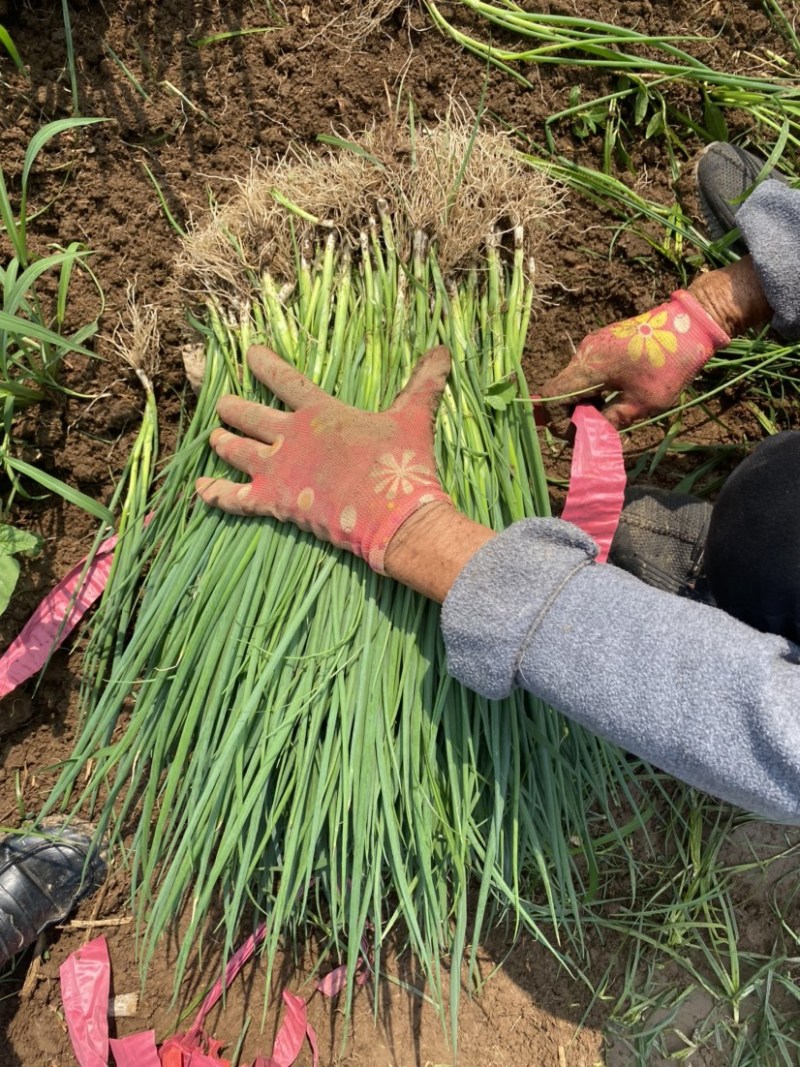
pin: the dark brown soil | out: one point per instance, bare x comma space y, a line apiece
196, 116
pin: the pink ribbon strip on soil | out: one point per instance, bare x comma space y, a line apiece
136, 1050
597, 478
335, 981
55, 619
85, 981
293, 1032
195, 1048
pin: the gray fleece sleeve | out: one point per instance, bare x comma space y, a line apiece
684, 686
769, 221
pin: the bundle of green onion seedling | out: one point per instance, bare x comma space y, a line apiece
278, 732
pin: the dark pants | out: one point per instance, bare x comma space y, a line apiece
752, 554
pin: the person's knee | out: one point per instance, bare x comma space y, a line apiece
752, 552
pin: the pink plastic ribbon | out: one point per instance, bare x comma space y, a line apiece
55, 619
85, 981
232, 968
597, 478
335, 981
195, 1048
293, 1032
136, 1050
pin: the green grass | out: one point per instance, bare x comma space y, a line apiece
7, 42
688, 972
650, 66
34, 337
71, 64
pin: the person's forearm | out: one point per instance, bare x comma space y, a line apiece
733, 296
432, 547
684, 686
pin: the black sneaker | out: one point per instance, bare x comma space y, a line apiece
726, 175
661, 538
42, 877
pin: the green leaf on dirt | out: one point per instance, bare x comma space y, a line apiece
640, 105
47, 133
26, 328
349, 146
13, 541
655, 125
9, 573
215, 38
714, 120
500, 395
55, 485
10, 47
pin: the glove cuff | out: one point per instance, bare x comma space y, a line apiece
376, 541
695, 324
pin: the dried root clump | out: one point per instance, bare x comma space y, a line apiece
137, 338
455, 184
361, 18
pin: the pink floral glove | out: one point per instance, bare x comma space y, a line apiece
648, 359
348, 476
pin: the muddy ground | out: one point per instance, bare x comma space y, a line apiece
197, 116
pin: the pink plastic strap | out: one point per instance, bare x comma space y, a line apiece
200, 1059
311, 1035
335, 981
171, 1054
295, 1029
195, 1048
85, 980
292, 1034
597, 479
232, 968
137, 1050
54, 619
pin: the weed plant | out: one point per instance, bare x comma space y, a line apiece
34, 338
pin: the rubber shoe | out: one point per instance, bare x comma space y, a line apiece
42, 877
726, 175
660, 539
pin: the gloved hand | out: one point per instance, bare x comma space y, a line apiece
350, 477
648, 359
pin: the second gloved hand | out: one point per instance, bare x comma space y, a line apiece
648, 359
351, 477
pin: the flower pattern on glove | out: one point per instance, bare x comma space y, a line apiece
648, 336
648, 359
398, 474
